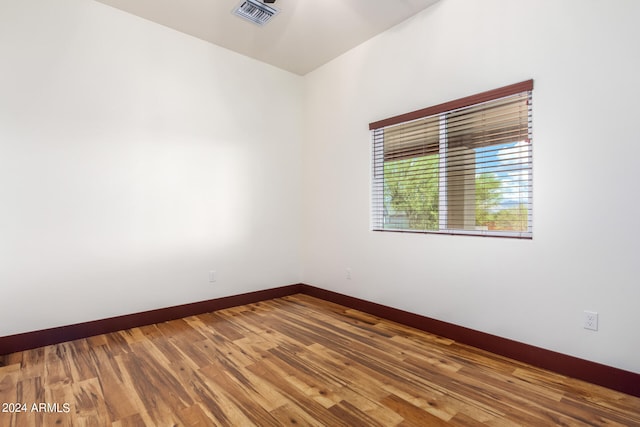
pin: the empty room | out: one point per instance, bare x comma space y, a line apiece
339, 212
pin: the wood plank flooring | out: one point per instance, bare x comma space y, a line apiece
295, 360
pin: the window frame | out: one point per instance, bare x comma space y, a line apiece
440, 112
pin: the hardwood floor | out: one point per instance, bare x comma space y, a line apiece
295, 360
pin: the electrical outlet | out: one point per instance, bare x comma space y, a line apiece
348, 274
212, 276
590, 320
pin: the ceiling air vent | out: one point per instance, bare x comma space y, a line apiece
255, 11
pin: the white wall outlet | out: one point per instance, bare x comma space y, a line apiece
348, 274
590, 320
212, 276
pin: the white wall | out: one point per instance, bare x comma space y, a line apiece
133, 160
128, 170
583, 58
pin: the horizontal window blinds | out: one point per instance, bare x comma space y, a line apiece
491, 123
466, 170
417, 138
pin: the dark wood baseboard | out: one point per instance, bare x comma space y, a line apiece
35, 339
596, 373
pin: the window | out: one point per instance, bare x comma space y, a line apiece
463, 167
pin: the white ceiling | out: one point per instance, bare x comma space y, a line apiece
302, 36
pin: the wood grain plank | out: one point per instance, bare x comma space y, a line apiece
295, 360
